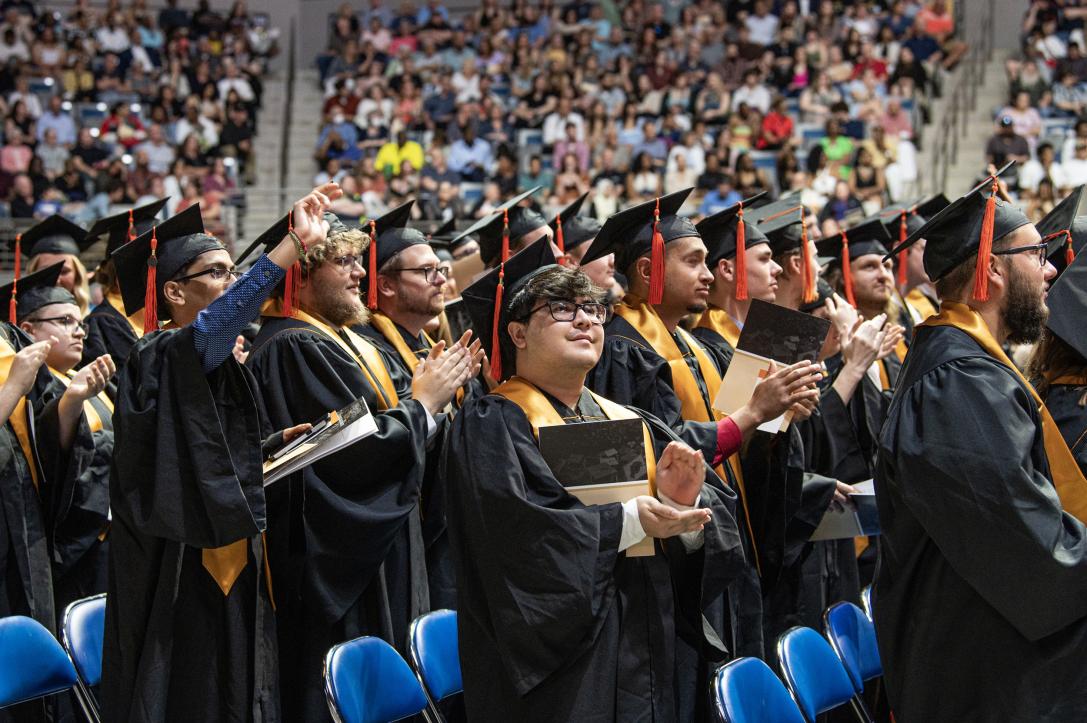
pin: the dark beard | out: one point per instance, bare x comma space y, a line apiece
419, 307
697, 308
1024, 313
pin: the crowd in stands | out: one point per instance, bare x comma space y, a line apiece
1043, 126
109, 107
628, 101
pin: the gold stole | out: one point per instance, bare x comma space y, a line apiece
94, 420
368, 358
644, 318
18, 419
921, 304
388, 329
135, 321
719, 321
1067, 477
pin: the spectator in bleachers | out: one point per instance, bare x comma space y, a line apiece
470, 156
1075, 166
1026, 120
1043, 166
1007, 145
392, 156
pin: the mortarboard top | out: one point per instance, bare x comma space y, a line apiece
718, 230
32, 291
1059, 229
822, 293
916, 214
444, 233
54, 235
125, 226
1067, 302
523, 221
955, 234
275, 233
180, 239
483, 300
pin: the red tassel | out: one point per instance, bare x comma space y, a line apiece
985, 247
656, 260
150, 299
559, 240
15, 283
371, 281
505, 236
1069, 252
741, 255
294, 277
807, 264
902, 234
496, 345
131, 227
847, 272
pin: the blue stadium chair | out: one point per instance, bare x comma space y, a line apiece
747, 691
435, 655
810, 135
470, 192
853, 638
866, 600
82, 633
366, 681
764, 159
814, 674
32, 663
530, 137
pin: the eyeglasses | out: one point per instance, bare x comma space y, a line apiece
217, 273
347, 262
67, 322
430, 273
567, 310
1039, 248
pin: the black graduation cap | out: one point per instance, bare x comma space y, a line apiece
572, 230
641, 229
1067, 302
487, 300
959, 231
389, 235
445, 232
727, 235
782, 222
167, 248
124, 227
275, 233
902, 219
32, 292
522, 221
1058, 228
54, 235
868, 237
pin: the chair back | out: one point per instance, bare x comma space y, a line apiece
853, 638
813, 672
866, 600
32, 663
435, 653
747, 691
366, 681
83, 631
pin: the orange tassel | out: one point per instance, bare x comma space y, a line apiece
559, 240
985, 247
902, 234
847, 272
741, 255
496, 345
656, 260
15, 283
131, 227
294, 277
1069, 252
371, 281
505, 236
150, 299
807, 264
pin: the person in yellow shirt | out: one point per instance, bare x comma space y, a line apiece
391, 156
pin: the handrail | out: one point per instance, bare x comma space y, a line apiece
288, 99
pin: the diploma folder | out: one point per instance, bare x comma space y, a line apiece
859, 519
332, 433
599, 463
771, 333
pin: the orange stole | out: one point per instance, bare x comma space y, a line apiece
135, 322
94, 420
1068, 479
20, 422
388, 329
642, 317
719, 321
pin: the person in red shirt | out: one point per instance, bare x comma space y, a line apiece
777, 127
935, 21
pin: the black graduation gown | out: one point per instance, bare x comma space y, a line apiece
187, 475
345, 546
553, 623
108, 332
981, 593
1068, 405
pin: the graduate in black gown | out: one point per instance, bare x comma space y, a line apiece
981, 593
80, 517
914, 294
52, 240
405, 294
650, 362
524, 225
109, 329
556, 620
345, 541
189, 616
573, 235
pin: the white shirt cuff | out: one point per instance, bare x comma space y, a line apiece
632, 532
431, 424
691, 540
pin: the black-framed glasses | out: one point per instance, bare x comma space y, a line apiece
430, 273
67, 322
347, 262
1040, 248
217, 273
562, 310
